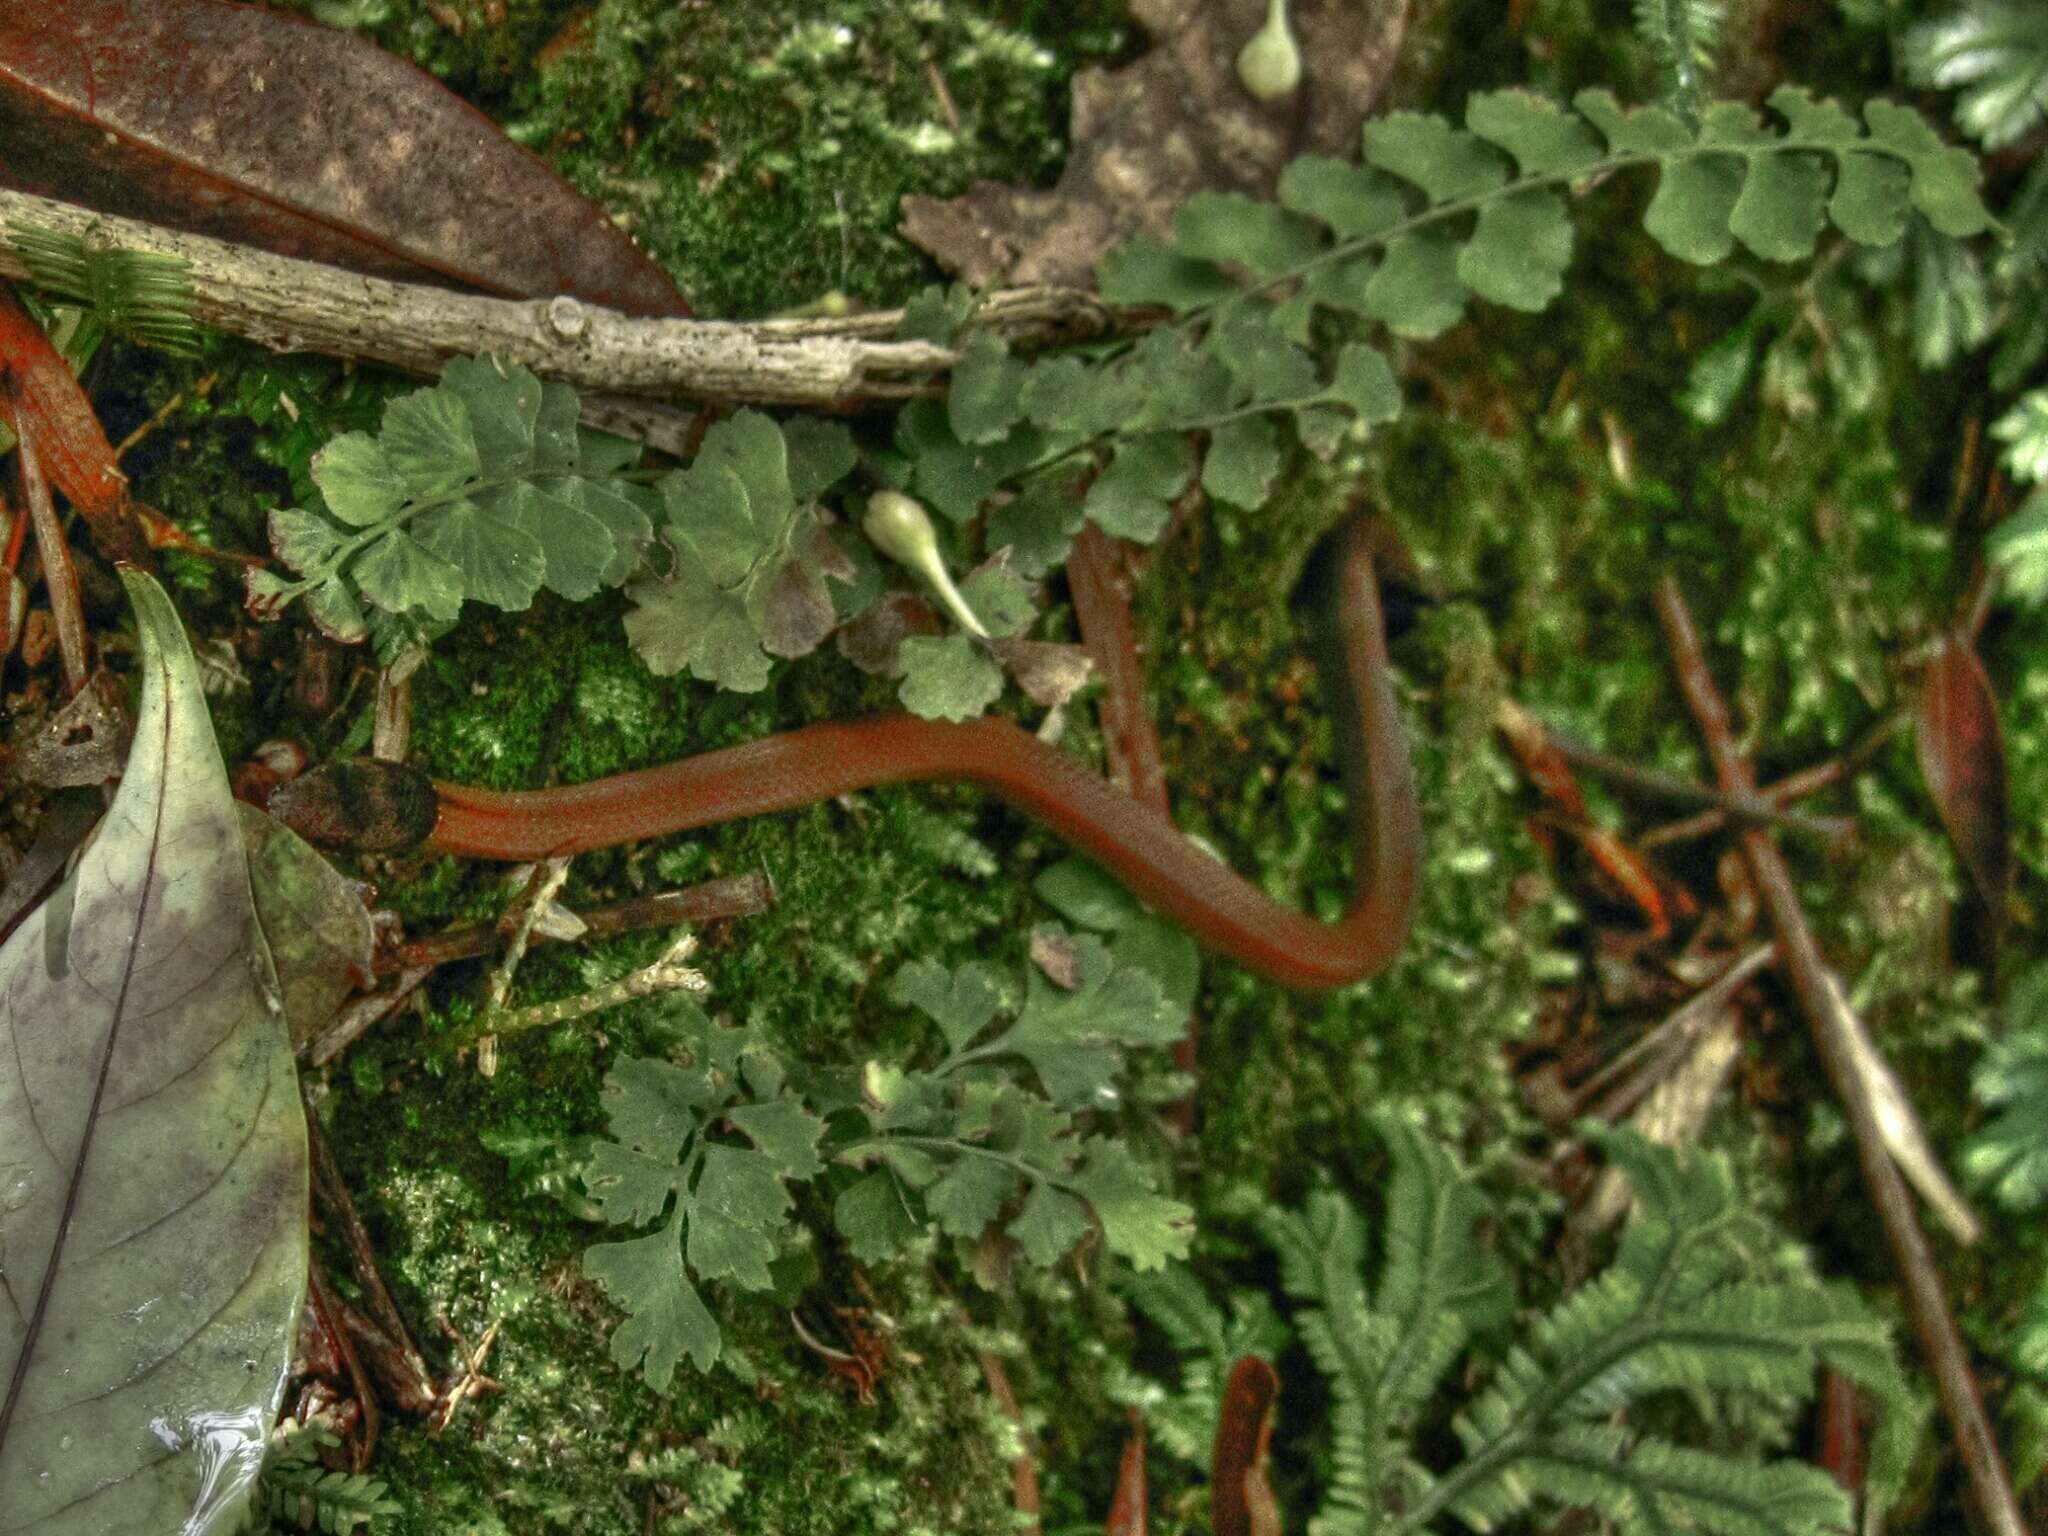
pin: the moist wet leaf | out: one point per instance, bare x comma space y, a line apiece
152, 1154
319, 933
261, 129
1962, 757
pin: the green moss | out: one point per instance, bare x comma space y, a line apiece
760, 151
1545, 475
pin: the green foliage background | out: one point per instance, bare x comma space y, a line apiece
1542, 470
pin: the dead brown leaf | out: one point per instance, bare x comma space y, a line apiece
1147, 136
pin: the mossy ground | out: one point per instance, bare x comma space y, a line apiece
1545, 475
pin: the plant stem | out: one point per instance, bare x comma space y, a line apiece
735, 896
1807, 971
60, 576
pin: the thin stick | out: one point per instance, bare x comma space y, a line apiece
323, 1299
363, 1015
164, 412
331, 1191
1669, 1039
668, 974
549, 876
60, 576
1793, 787
1669, 787
302, 306
1024, 1494
1809, 975
734, 896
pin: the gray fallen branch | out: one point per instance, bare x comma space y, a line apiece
302, 306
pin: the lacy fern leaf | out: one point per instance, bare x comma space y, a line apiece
143, 295
1996, 53
480, 488
719, 1203
967, 1145
1693, 1306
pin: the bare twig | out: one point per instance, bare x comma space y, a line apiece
668, 974
1793, 787
547, 880
323, 1298
164, 413
391, 729
1808, 972
1655, 784
1024, 1470
60, 576
331, 1192
363, 1015
735, 896
1637, 1070
298, 306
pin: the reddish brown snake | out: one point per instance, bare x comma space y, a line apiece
1138, 844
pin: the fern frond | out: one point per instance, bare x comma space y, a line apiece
1208, 1341
297, 1491
142, 295
1674, 1313
1174, 1301
1649, 1487
1996, 53
1438, 215
1685, 35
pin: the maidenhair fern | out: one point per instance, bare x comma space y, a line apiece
1271, 301
1693, 1307
484, 487
988, 1141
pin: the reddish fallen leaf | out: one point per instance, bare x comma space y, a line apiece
1841, 1432
1241, 1499
70, 443
1546, 768
1129, 1511
1541, 762
236, 122
1962, 757
1024, 1471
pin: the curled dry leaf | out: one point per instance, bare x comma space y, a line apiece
69, 441
153, 1150
1129, 1514
1962, 757
83, 744
1047, 672
321, 939
1241, 1499
236, 122
1147, 136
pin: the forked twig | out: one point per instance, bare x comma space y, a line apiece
1811, 980
60, 576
